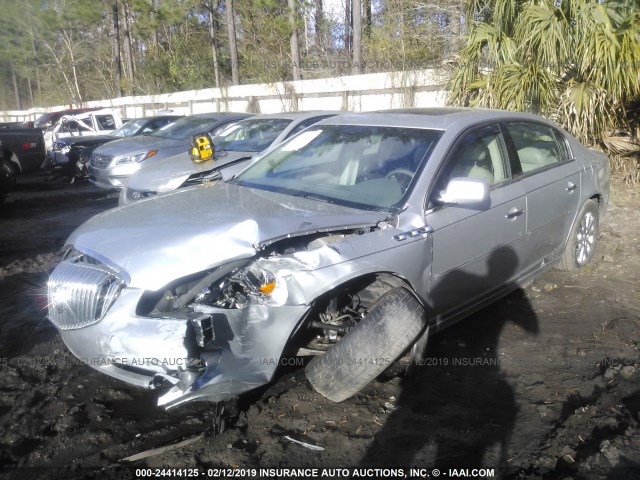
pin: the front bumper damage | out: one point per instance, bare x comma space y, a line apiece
214, 354
154, 315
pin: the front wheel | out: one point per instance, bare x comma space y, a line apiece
390, 327
581, 246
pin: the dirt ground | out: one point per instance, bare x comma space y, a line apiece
543, 384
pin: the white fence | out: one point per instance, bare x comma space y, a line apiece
375, 91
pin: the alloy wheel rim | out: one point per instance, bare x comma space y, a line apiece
585, 238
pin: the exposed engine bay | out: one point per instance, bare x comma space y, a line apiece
239, 284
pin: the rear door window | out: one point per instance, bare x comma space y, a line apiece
537, 146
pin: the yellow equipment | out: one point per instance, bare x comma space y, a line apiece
202, 148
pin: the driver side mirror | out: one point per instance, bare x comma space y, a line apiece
465, 191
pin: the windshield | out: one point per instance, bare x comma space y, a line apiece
250, 135
48, 119
353, 165
184, 128
42, 119
130, 128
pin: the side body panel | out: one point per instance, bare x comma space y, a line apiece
476, 251
24, 148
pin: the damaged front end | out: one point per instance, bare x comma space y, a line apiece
210, 336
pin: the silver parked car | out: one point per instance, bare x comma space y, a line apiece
65, 150
352, 242
113, 163
235, 146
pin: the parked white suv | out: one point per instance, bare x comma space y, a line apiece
98, 122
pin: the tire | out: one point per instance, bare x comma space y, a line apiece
7, 177
581, 245
417, 353
390, 327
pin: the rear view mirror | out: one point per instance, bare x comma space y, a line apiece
465, 191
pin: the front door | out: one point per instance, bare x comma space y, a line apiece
476, 249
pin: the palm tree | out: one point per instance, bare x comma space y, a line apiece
575, 61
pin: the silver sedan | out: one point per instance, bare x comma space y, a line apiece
112, 164
350, 243
235, 146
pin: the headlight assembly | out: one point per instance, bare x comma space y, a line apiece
136, 158
60, 147
239, 288
266, 286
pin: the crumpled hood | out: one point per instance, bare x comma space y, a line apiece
169, 173
140, 143
158, 240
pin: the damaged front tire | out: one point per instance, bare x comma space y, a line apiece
389, 328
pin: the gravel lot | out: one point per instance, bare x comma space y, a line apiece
544, 383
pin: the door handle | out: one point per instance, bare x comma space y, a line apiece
571, 187
514, 212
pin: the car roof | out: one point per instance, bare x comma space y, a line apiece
73, 111
214, 118
299, 115
226, 115
153, 117
87, 113
429, 118
49, 116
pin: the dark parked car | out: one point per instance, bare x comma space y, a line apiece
351, 242
7, 176
22, 150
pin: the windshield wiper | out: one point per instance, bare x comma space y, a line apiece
311, 196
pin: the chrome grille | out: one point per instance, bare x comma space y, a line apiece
80, 294
100, 161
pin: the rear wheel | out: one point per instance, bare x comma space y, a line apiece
581, 246
389, 328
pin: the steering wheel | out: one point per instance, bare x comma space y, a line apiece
403, 173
